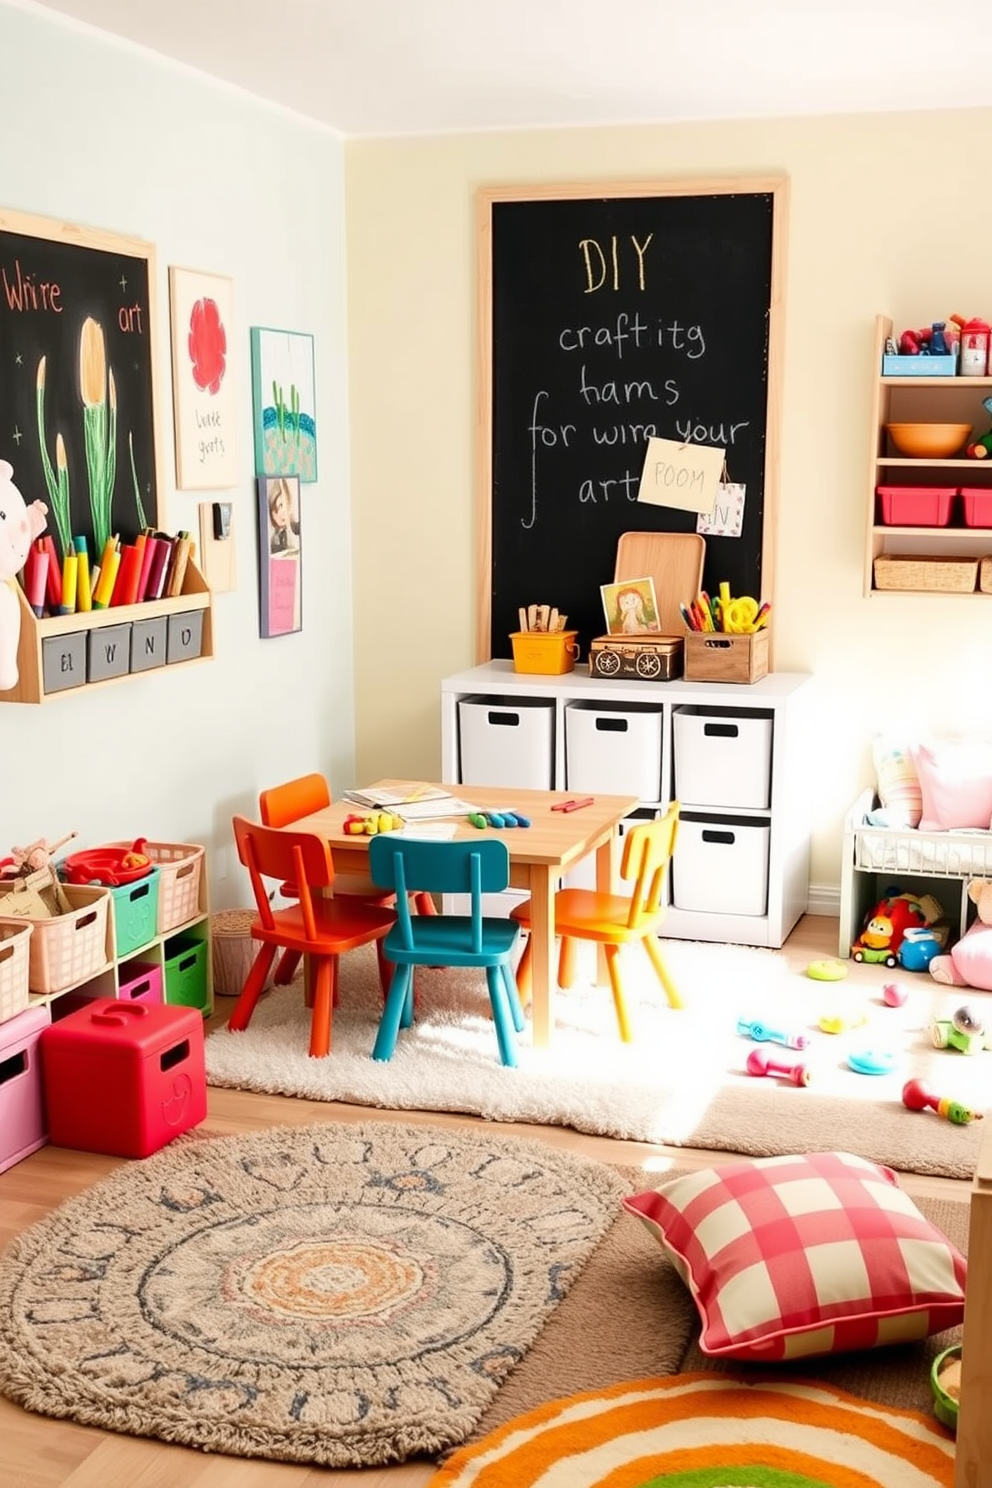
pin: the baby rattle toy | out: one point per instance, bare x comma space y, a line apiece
919, 1097
761, 1062
761, 1033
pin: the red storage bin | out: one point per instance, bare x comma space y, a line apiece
123, 1077
977, 503
916, 506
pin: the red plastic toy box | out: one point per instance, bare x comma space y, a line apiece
123, 1077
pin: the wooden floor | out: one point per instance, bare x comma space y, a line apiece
37, 1452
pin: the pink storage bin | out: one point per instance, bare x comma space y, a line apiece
977, 506
23, 1128
140, 981
916, 506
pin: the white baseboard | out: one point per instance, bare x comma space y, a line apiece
823, 899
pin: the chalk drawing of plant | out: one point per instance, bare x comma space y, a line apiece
98, 392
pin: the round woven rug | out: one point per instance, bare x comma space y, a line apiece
336, 1294
708, 1431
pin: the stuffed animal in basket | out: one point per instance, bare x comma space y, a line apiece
969, 962
19, 526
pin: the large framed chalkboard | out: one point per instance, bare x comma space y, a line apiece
77, 377
607, 315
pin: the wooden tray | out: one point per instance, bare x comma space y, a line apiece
674, 560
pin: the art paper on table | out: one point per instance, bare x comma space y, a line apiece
280, 556
685, 476
284, 407
204, 394
727, 517
631, 608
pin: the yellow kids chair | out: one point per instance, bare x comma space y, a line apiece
614, 920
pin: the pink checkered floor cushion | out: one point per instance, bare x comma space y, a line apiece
813, 1254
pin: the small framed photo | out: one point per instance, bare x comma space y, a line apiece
280, 556
631, 607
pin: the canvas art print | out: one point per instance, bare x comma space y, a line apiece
283, 403
203, 391
280, 556
631, 608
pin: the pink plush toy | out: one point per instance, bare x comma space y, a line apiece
969, 961
19, 526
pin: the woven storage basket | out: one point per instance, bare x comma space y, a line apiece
181, 864
985, 576
71, 948
945, 574
14, 938
233, 950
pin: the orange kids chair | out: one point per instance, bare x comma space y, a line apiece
280, 806
315, 925
614, 920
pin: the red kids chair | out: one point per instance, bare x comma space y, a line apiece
316, 925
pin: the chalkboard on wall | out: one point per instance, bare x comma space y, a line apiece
77, 400
609, 315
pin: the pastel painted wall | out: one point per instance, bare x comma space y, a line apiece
887, 215
102, 134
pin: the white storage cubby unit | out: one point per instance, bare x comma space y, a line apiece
741, 751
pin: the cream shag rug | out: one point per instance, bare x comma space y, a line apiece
682, 1081
334, 1294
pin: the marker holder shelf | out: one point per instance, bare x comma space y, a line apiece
75, 631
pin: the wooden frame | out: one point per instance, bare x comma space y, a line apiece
204, 391
280, 556
284, 424
78, 394
774, 185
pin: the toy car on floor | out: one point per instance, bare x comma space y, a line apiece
964, 1031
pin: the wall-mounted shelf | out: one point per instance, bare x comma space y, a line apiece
923, 399
62, 655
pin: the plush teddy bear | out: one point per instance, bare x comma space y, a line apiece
19, 526
969, 961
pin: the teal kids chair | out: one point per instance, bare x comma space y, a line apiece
410, 867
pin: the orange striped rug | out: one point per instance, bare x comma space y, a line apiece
708, 1431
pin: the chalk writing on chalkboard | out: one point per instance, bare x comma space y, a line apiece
609, 320
76, 377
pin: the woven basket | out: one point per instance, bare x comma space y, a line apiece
985, 576
952, 575
233, 950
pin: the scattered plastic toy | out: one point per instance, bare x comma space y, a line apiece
872, 1061
829, 970
894, 994
918, 949
964, 1031
762, 1034
762, 1062
919, 1097
840, 1022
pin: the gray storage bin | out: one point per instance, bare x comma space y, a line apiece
148, 642
185, 639
63, 661
108, 652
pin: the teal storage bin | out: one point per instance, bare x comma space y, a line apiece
185, 969
135, 913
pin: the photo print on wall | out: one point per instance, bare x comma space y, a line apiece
280, 556
283, 403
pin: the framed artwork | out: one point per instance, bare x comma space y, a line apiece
77, 377
631, 607
203, 392
280, 556
284, 407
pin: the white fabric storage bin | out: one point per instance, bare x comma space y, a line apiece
614, 749
507, 741
720, 864
723, 757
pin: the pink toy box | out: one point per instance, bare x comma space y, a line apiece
124, 1078
22, 1108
